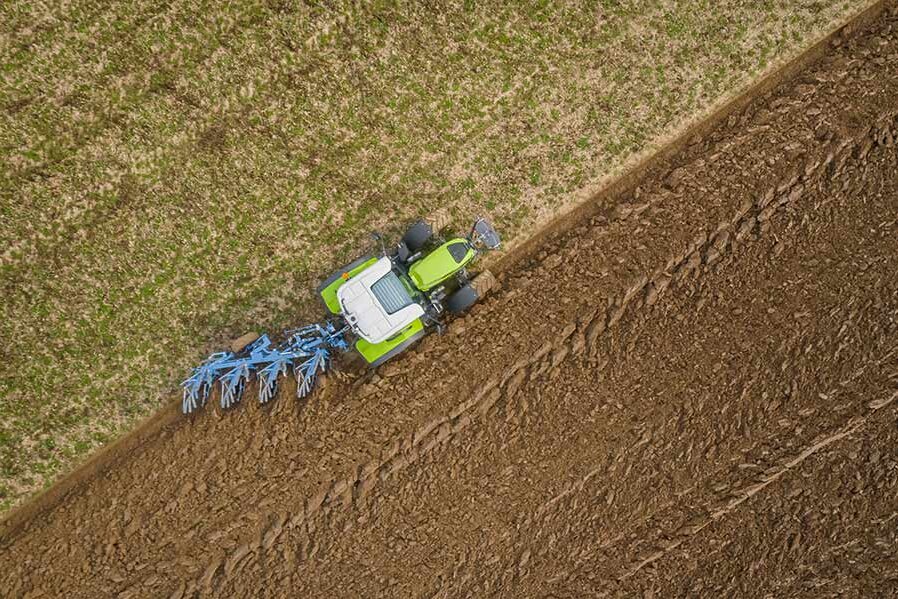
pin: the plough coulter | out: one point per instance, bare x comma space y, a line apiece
378, 305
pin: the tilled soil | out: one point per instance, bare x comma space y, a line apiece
692, 392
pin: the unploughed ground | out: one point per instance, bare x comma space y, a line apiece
694, 393
176, 173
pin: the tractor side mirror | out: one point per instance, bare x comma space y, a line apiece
484, 235
376, 236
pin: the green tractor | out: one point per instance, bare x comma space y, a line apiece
392, 300
380, 305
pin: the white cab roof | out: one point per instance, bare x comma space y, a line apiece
365, 314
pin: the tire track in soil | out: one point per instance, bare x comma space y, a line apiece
678, 556
286, 481
741, 495
823, 510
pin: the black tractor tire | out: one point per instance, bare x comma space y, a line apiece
438, 220
462, 299
417, 236
484, 282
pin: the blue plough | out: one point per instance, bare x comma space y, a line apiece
307, 351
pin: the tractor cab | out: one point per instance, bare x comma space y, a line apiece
391, 301
378, 303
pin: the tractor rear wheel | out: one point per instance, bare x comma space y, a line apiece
460, 300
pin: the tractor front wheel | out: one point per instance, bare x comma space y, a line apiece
483, 283
421, 232
417, 236
462, 299
439, 220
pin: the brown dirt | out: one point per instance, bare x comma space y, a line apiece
693, 392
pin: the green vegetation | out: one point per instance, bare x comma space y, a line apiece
176, 173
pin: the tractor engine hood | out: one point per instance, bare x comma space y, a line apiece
376, 304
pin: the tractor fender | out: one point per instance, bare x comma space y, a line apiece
377, 354
327, 290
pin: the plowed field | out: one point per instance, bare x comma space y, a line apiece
689, 391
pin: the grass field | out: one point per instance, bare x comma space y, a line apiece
176, 173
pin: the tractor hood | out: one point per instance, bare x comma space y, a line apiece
376, 303
441, 263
